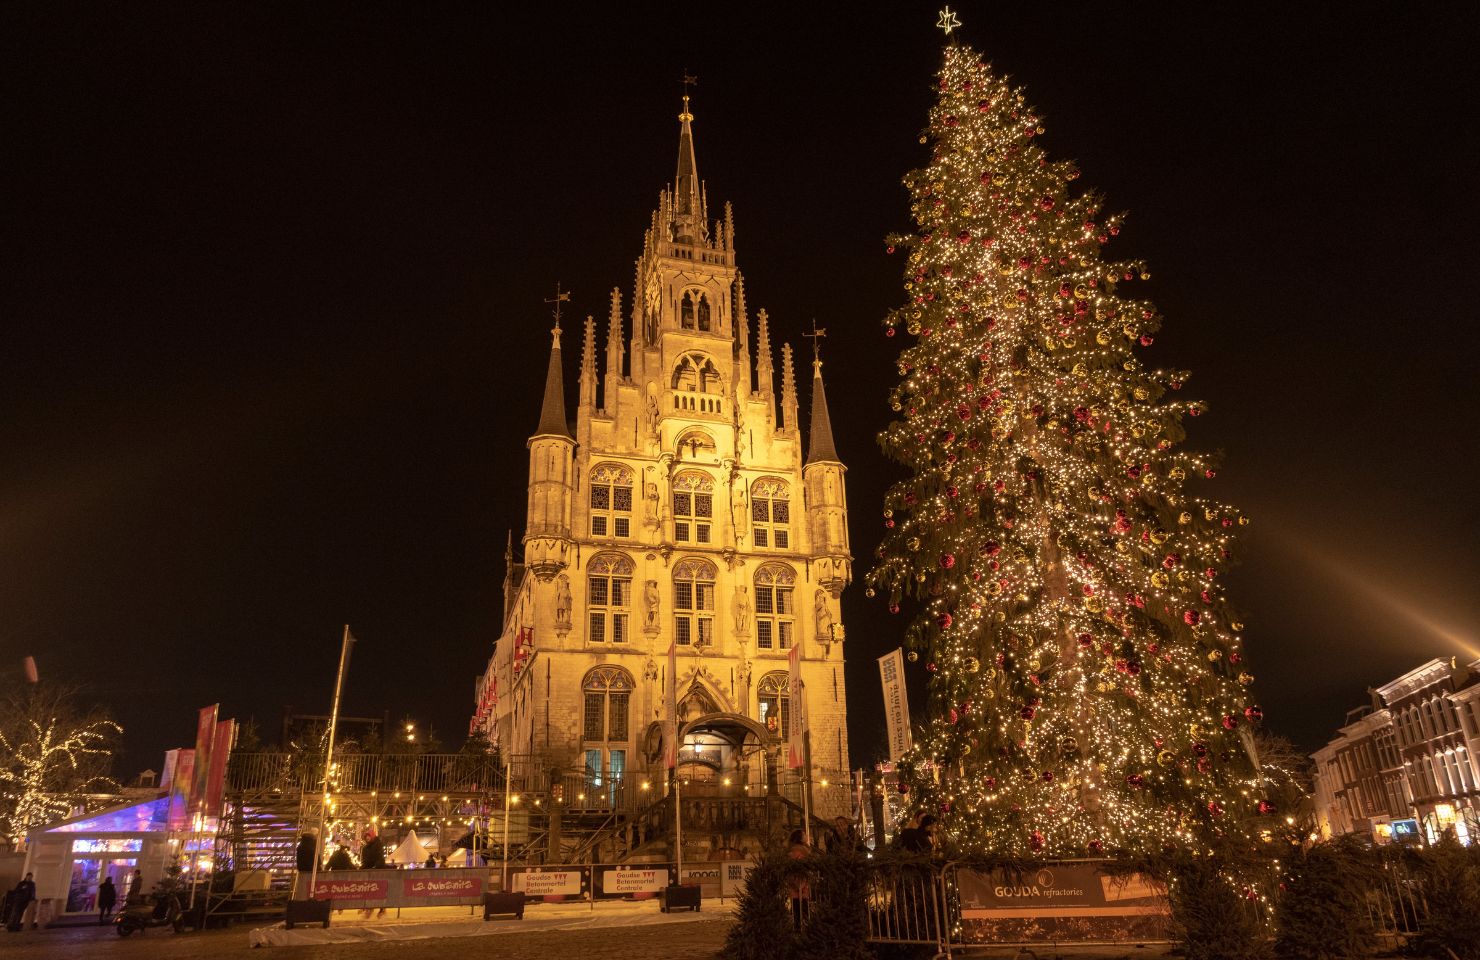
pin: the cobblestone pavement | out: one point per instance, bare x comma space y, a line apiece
694, 940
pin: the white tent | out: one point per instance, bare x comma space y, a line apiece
410, 852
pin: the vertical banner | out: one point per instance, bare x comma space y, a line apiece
896, 704
205, 735
670, 709
796, 723
167, 778
220, 755
179, 808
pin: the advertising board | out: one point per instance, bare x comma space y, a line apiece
1062, 903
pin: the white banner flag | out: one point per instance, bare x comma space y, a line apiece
796, 724
896, 704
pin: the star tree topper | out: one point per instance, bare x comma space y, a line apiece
948, 21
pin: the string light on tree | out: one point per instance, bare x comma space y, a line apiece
1088, 691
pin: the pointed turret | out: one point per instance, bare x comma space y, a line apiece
588, 367
820, 447
765, 374
613, 354
742, 334
552, 411
688, 214
788, 392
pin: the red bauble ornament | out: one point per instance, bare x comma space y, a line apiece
1136, 781
1191, 617
947, 561
945, 620
889, 332
1048, 776
1253, 714
1215, 808
1230, 722
1035, 840
1028, 713
1267, 808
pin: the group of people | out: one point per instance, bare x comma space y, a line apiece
23, 907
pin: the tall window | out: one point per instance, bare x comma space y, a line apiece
774, 702
693, 508
608, 692
770, 510
694, 311
775, 611
608, 598
611, 501
693, 603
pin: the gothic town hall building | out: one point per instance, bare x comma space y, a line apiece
684, 504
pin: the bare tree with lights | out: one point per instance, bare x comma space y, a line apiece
1087, 690
50, 755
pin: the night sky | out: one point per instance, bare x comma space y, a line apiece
272, 338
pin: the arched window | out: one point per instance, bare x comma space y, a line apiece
774, 702
770, 509
695, 444
608, 598
693, 311
695, 373
611, 501
693, 507
775, 610
693, 603
608, 692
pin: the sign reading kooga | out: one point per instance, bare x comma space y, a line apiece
1061, 902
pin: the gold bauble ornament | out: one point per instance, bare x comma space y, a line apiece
1246, 678
912, 656
913, 327
869, 592
1215, 655
1159, 537
913, 543
1185, 518
1243, 521
1178, 474
1166, 758
973, 664
1094, 604
1237, 626
1142, 393
1102, 338
1159, 579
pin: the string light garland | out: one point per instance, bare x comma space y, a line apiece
1087, 686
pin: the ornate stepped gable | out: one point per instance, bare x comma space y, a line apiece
677, 509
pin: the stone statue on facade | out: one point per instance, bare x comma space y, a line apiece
650, 602
739, 512
741, 610
823, 614
650, 515
562, 602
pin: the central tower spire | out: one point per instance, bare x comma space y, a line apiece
689, 216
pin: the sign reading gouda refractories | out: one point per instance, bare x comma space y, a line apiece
1062, 903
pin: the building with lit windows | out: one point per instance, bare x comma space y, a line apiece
684, 503
1407, 767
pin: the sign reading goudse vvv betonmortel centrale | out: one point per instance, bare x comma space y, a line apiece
1063, 903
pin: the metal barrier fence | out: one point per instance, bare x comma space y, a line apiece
956, 907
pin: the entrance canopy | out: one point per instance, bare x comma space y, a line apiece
151, 816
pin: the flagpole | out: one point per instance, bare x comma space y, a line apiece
508, 783
329, 755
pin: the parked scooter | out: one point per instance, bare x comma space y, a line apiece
164, 913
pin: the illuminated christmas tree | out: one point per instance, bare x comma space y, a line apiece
1086, 689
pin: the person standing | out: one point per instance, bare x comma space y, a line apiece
843, 838
107, 897
372, 857
23, 904
135, 891
798, 888
306, 855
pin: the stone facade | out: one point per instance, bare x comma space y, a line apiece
1411, 757
677, 508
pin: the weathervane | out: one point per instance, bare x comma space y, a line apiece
689, 80
558, 299
816, 337
948, 21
